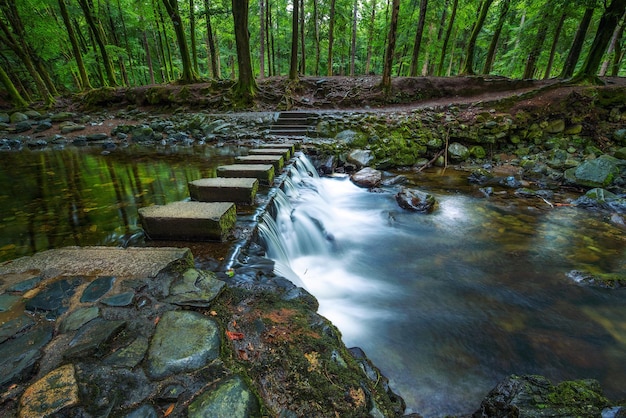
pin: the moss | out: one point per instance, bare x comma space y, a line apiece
585, 395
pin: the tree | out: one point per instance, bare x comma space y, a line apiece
188, 74
98, 34
246, 85
353, 39
78, 57
261, 39
577, 44
555, 41
608, 22
446, 38
391, 46
491, 52
471, 44
215, 69
295, 18
615, 40
331, 30
16, 97
418, 38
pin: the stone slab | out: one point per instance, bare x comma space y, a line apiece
263, 172
276, 160
289, 145
93, 261
285, 152
222, 189
193, 221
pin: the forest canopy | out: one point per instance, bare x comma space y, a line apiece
52, 47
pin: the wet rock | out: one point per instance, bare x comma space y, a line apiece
43, 126
25, 284
620, 136
17, 117
143, 134
119, 300
92, 337
78, 318
602, 199
144, 411
477, 151
555, 126
183, 341
620, 153
603, 280
14, 326
97, 288
68, 127
458, 152
8, 301
480, 176
416, 200
511, 182
4, 118
348, 136
195, 288
231, 398
129, 356
19, 355
61, 116
54, 299
22, 126
53, 392
367, 177
599, 172
361, 157
395, 180
101, 136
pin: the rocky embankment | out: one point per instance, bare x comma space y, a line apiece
172, 340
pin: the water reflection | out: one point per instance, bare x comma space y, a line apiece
54, 198
449, 304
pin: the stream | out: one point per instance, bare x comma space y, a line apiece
446, 304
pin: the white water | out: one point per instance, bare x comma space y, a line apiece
439, 302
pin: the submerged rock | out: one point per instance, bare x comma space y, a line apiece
603, 280
367, 177
416, 200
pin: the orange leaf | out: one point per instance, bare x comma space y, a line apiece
234, 335
169, 410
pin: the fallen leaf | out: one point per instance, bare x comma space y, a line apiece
169, 410
242, 354
234, 335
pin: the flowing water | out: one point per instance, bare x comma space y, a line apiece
450, 303
445, 304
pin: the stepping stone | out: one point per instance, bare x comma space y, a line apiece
263, 172
288, 145
194, 221
221, 189
275, 160
285, 152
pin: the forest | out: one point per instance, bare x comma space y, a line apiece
54, 47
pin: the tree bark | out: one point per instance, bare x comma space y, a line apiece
96, 30
261, 39
16, 97
370, 38
331, 37
295, 19
491, 52
577, 44
614, 39
192, 36
78, 57
302, 45
619, 52
318, 50
555, 41
446, 39
215, 69
391, 46
533, 56
246, 85
471, 44
188, 75
418, 38
146, 46
353, 39
607, 25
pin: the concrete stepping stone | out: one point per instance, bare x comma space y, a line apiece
263, 172
285, 152
195, 221
276, 160
288, 145
221, 189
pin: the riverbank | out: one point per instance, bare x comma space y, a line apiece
293, 356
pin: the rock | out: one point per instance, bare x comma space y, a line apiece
361, 158
416, 200
54, 298
19, 355
458, 152
101, 136
4, 118
53, 392
121, 299
510, 182
97, 288
620, 136
620, 153
144, 411
480, 176
348, 136
231, 398
555, 126
573, 129
599, 172
367, 177
602, 280
535, 396
143, 134
43, 126
61, 116
18, 117
477, 151
12, 327
195, 288
23, 126
92, 338
129, 356
196, 343
69, 127
78, 318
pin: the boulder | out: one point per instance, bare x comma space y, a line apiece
416, 200
348, 136
458, 152
555, 126
17, 117
599, 172
360, 157
367, 177
620, 136
620, 153
599, 198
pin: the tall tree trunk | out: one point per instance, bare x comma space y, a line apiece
116, 42
129, 51
535, 52
213, 54
16, 97
555, 41
616, 37
96, 30
446, 39
275, 69
148, 57
370, 38
293, 64
391, 46
188, 75
331, 37
82, 71
302, 45
268, 38
192, 36
491, 52
607, 25
619, 52
577, 44
471, 44
246, 85
442, 21
318, 51
167, 52
418, 38
262, 39
353, 40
